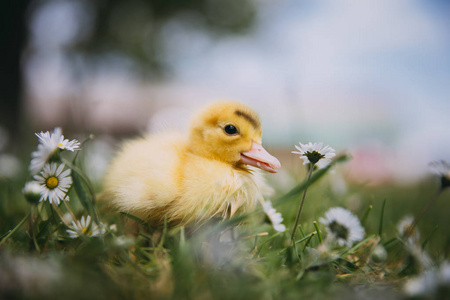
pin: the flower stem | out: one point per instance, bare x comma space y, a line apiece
422, 213
309, 240
366, 214
12, 231
61, 214
301, 205
319, 235
70, 211
34, 215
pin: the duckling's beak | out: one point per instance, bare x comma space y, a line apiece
260, 158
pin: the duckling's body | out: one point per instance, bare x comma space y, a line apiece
185, 177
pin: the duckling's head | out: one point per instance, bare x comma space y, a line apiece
230, 132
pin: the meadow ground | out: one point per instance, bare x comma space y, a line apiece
76, 249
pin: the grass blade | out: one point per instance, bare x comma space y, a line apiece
83, 188
366, 214
380, 227
309, 236
85, 198
388, 243
319, 235
427, 239
12, 231
309, 240
134, 218
356, 247
345, 266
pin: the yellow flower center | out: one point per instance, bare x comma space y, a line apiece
84, 230
60, 145
52, 182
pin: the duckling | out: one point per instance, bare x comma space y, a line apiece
211, 172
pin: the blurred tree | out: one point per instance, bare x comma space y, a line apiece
134, 27
12, 41
129, 28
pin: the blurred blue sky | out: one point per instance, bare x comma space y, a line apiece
353, 74
344, 72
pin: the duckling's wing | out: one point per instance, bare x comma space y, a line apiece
143, 176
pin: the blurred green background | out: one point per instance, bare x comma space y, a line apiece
367, 78
370, 78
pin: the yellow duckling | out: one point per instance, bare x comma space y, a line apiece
208, 173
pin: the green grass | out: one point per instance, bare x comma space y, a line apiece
241, 258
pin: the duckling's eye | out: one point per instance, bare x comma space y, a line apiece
230, 129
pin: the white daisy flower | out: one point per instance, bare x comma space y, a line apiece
54, 183
420, 256
84, 227
113, 228
69, 145
274, 216
379, 254
444, 272
67, 218
39, 158
343, 226
442, 168
56, 139
404, 227
48, 146
423, 285
32, 187
32, 191
315, 154
432, 284
123, 241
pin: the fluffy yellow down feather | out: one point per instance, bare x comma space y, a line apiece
189, 178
